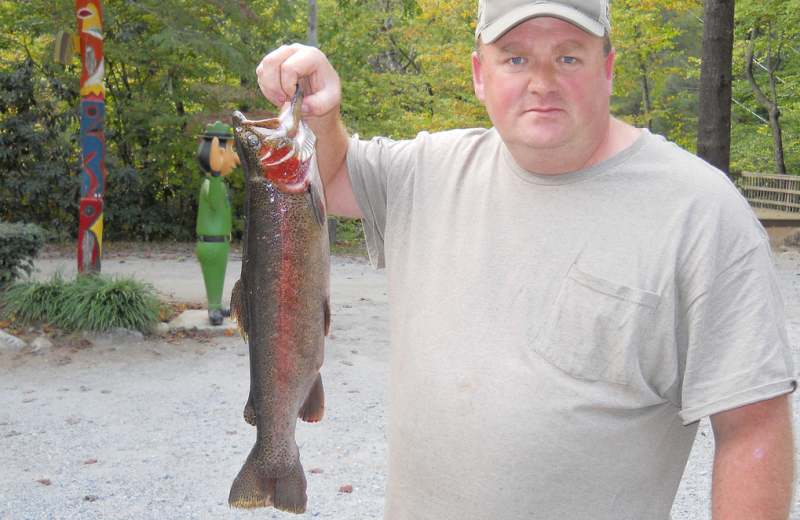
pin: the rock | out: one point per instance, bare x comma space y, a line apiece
41, 343
12, 343
115, 335
158, 328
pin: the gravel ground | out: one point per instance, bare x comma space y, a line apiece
137, 428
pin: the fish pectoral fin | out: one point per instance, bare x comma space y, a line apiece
314, 406
239, 307
250, 412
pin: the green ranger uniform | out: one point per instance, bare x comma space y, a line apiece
214, 236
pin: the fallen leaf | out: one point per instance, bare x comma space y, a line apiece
229, 332
345, 362
13, 433
90, 461
315, 470
346, 489
44, 481
105, 391
365, 299
90, 498
28, 400
4, 324
28, 391
201, 352
73, 421
232, 432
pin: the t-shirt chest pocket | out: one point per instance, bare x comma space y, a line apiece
595, 328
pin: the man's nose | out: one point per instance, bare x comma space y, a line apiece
542, 79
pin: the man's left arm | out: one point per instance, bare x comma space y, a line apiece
753, 462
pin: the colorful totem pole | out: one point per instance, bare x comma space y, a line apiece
89, 43
93, 113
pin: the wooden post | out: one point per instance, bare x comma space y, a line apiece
93, 179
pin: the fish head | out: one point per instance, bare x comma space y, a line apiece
278, 149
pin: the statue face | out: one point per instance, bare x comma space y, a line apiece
223, 159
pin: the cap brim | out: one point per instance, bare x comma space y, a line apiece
504, 23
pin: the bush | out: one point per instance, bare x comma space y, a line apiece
19, 244
95, 303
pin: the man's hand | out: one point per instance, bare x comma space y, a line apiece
754, 462
281, 70
278, 75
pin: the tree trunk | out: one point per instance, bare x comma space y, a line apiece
312, 23
646, 97
771, 105
777, 140
714, 117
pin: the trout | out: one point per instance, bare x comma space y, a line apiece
281, 301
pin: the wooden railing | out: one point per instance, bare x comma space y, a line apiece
774, 197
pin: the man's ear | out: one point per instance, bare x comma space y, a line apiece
477, 76
610, 70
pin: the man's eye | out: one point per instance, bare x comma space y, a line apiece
516, 61
569, 60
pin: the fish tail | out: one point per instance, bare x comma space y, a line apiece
239, 308
314, 406
252, 489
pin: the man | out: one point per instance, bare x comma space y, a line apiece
569, 294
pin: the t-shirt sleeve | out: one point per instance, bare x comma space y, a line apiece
738, 351
377, 169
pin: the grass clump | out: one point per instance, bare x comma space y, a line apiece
94, 303
31, 300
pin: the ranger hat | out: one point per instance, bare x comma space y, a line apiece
496, 17
219, 130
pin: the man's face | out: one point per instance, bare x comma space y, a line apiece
546, 86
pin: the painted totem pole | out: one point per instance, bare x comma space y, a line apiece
93, 113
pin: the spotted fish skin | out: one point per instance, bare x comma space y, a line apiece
281, 302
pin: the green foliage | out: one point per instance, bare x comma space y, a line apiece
653, 87
778, 24
93, 303
174, 66
34, 301
19, 244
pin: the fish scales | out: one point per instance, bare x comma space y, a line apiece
281, 302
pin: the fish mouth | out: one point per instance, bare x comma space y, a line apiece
284, 145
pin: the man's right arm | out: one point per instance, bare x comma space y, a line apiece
278, 75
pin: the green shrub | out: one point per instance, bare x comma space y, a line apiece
19, 244
34, 300
94, 303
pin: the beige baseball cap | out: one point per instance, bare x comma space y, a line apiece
496, 17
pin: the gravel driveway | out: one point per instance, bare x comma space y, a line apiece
139, 428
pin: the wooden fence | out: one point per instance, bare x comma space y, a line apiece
775, 198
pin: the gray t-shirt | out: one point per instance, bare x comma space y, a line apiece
556, 338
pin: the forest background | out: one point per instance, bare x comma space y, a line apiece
174, 66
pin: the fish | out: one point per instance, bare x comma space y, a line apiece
281, 302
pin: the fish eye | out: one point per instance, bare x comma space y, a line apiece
253, 141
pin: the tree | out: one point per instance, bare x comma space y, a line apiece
714, 121
770, 30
